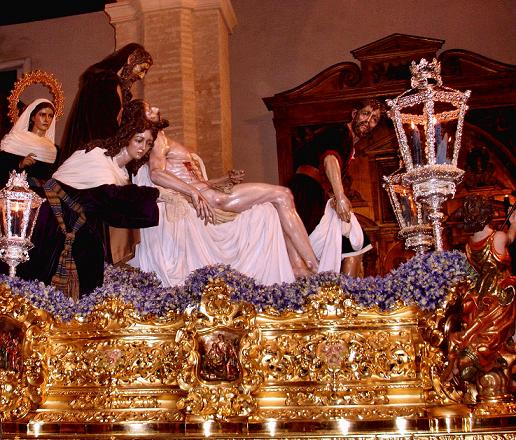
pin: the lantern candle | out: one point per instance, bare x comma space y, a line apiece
405, 210
416, 144
16, 219
441, 143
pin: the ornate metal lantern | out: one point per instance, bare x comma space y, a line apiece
411, 215
19, 207
428, 120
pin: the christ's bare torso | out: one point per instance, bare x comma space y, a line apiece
180, 163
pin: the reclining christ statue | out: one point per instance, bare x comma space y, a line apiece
253, 227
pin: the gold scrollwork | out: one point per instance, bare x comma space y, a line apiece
112, 399
344, 396
338, 357
119, 362
331, 302
48, 80
327, 413
23, 349
104, 416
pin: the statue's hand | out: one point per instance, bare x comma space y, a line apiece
202, 207
342, 207
27, 161
236, 176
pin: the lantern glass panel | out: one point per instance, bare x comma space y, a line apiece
416, 140
411, 212
3, 219
444, 133
408, 209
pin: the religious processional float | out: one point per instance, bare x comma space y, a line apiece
221, 356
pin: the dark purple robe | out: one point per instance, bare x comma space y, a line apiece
94, 111
97, 103
128, 206
37, 174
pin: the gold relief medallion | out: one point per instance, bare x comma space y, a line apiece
333, 353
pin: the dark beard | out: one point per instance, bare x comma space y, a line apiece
127, 79
126, 94
356, 129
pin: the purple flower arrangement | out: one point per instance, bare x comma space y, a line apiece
423, 281
44, 297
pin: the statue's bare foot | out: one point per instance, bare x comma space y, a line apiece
312, 267
302, 272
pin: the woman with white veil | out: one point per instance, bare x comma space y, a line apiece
30, 145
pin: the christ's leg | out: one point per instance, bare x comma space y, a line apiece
246, 195
298, 265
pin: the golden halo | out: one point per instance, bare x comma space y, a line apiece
36, 77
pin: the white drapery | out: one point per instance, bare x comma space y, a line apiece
252, 243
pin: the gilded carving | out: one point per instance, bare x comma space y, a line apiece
113, 365
219, 348
338, 395
107, 416
334, 360
327, 413
435, 329
23, 351
112, 399
338, 357
329, 303
113, 362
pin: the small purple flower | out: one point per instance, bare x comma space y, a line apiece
424, 281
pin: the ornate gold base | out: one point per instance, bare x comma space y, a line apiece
445, 428
335, 370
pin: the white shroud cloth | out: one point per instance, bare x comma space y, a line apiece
326, 238
252, 243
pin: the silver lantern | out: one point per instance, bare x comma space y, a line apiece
428, 120
412, 216
19, 207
